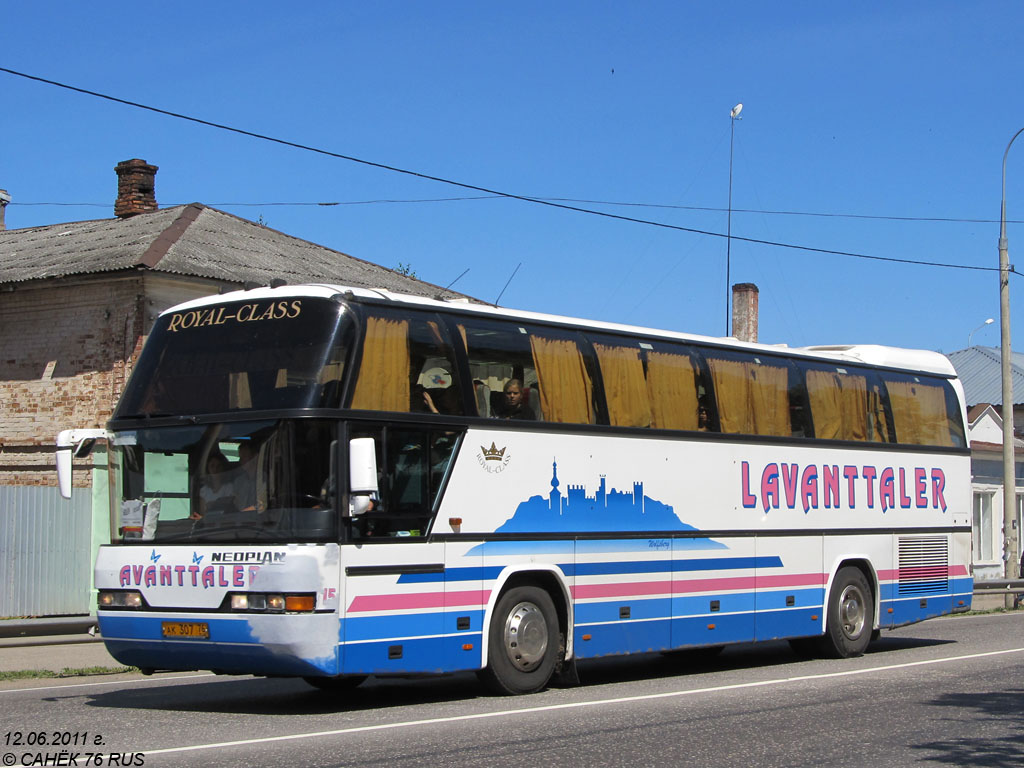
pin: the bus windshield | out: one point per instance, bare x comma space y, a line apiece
251, 355
253, 481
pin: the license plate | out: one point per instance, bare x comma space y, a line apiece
186, 629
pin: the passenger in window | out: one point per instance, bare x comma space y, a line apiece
702, 418
512, 404
439, 400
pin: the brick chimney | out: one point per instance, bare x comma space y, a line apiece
136, 188
4, 200
744, 311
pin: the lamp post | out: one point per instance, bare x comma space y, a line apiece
971, 334
1009, 481
734, 115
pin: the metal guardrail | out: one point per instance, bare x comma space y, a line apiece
999, 585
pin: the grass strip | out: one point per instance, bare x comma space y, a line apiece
29, 674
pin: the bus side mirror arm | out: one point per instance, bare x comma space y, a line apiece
77, 443
362, 475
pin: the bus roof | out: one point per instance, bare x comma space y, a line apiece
868, 354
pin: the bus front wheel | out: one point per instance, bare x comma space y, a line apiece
851, 612
522, 642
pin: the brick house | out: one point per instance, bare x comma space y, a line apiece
78, 299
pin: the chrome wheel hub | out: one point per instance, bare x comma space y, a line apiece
526, 636
852, 613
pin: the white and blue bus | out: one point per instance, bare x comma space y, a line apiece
331, 483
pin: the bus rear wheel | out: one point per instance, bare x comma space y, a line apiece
851, 611
522, 642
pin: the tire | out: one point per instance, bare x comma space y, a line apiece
851, 613
336, 684
523, 642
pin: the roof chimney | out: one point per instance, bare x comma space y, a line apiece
744, 311
5, 198
136, 188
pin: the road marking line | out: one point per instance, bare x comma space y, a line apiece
577, 705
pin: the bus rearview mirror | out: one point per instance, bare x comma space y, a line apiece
362, 474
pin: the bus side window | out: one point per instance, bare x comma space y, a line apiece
924, 410
412, 463
845, 403
499, 354
655, 385
407, 364
752, 393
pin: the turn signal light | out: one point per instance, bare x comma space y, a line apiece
299, 603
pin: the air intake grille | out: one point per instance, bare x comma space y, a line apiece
924, 565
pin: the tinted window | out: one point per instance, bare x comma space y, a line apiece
406, 364
252, 355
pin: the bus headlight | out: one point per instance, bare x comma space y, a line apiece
261, 602
119, 599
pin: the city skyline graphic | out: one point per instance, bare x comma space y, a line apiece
607, 510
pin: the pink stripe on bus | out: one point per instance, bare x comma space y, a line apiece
367, 603
792, 580
894, 574
685, 586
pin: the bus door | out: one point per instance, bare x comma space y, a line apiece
393, 599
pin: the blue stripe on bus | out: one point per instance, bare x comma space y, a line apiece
488, 573
590, 613
567, 547
810, 597
412, 656
475, 573
671, 566
798, 622
408, 625
622, 637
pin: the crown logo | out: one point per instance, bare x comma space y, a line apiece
493, 453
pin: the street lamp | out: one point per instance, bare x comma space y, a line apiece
1009, 482
734, 115
987, 322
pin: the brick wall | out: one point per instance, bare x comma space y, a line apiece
65, 354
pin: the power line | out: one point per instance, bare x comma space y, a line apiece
464, 198
476, 188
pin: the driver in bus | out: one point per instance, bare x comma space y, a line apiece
215, 488
245, 483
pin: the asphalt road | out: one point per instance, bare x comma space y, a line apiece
944, 692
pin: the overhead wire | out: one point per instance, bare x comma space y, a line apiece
553, 203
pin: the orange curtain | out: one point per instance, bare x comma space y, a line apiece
565, 386
624, 387
753, 398
770, 399
826, 405
919, 413
672, 387
732, 391
383, 383
839, 405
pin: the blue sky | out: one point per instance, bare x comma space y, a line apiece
853, 111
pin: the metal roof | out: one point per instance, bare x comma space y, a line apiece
979, 369
190, 240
